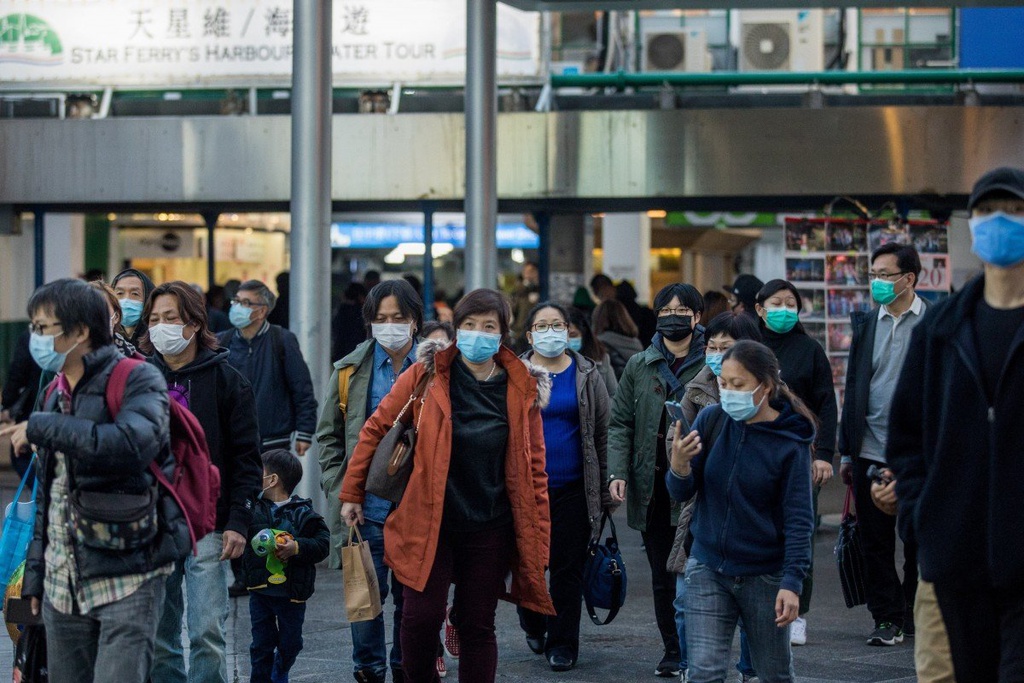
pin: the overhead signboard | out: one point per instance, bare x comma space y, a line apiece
389, 235
125, 43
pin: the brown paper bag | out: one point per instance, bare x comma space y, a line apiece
362, 593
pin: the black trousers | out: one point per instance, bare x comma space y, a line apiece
658, 541
986, 631
889, 599
570, 535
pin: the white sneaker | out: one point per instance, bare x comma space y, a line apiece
798, 632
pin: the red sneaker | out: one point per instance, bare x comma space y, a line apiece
451, 636
442, 670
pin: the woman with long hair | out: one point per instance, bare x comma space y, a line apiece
616, 330
808, 373
753, 518
476, 505
583, 341
575, 438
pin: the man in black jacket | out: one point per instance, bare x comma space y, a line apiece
104, 584
200, 378
881, 338
956, 440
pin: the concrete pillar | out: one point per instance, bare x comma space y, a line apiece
626, 243
965, 265
64, 239
568, 257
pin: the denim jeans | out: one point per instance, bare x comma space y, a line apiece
369, 638
679, 604
276, 636
714, 604
206, 588
111, 643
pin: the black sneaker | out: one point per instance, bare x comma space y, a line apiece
908, 628
668, 667
886, 634
237, 590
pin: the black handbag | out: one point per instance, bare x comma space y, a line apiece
30, 656
114, 521
849, 557
391, 465
604, 575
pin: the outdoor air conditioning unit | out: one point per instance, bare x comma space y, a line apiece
681, 50
782, 40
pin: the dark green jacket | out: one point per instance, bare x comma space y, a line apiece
636, 422
338, 436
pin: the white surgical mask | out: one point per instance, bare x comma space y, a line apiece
392, 336
168, 339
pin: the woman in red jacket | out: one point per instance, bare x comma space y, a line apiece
477, 502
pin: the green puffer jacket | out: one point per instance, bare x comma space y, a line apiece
636, 422
338, 436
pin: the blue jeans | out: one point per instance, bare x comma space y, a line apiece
276, 636
714, 604
678, 603
206, 586
369, 639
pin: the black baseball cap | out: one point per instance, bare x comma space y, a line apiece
745, 289
1005, 179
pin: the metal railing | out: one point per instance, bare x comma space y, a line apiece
622, 80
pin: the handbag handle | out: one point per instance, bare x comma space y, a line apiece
35, 482
849, 503
354, 529
420, 388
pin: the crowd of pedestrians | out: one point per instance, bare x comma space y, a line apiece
165, 450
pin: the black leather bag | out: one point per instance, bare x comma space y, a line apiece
849, 557
391, 465
604, 575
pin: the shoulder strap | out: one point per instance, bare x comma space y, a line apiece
344, 376
117, 382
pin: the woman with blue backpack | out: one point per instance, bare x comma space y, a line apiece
753, 519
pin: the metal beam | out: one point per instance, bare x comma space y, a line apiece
428, 262
481, 144
624, 80
311, 198
39, 245
629, 5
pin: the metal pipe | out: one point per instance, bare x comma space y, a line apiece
481, 144
39, 245
657, 79
210, 218
428, 262
311, 199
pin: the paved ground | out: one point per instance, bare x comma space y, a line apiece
626, 650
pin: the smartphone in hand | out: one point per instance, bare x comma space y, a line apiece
675, 414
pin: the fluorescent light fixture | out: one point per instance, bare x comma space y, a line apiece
397, 256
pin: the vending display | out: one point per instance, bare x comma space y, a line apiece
828, 259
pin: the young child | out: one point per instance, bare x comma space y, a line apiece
279, 609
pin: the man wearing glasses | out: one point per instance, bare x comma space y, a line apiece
881, 338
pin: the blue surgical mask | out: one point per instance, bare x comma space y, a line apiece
43, 353
998, 239
576, 344
550, 344
240, 316
131, 312
478, 347
739, 405
714, 361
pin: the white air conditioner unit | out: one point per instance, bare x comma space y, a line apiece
680, 50
782, 40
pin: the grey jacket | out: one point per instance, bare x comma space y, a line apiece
620, 349
593, 402
701, 392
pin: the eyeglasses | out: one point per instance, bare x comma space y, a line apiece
885, 276
683, 310
544, 327
246, 302
41, 329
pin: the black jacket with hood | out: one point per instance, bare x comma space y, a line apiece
956, 454
298, 518
107, 455
147, 289
222, 400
